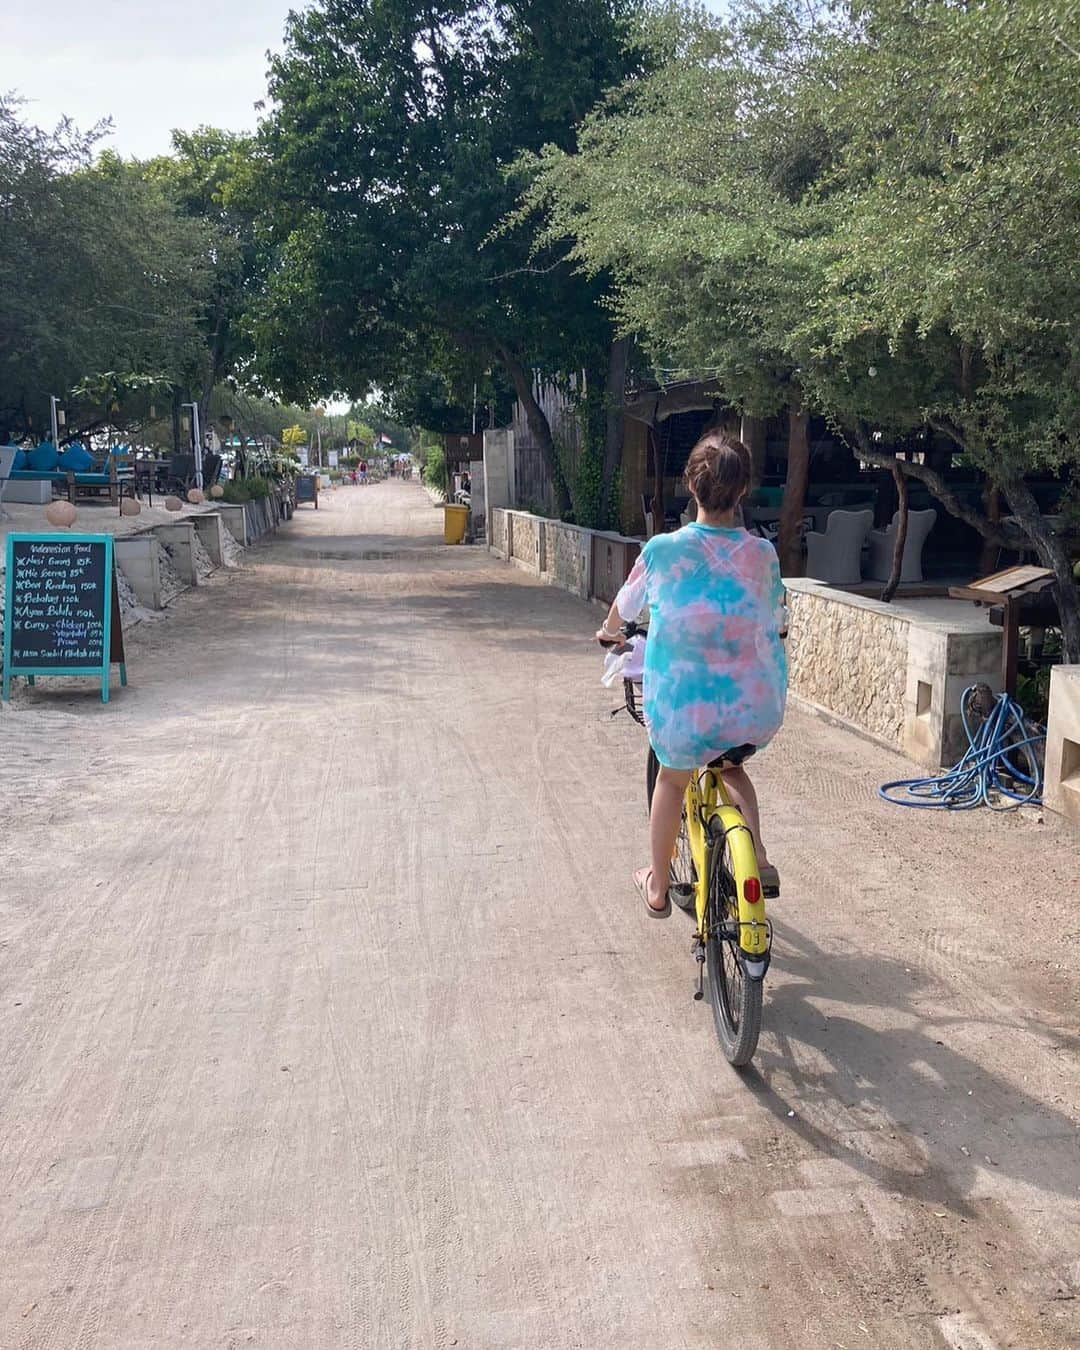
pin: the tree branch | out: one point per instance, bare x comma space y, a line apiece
938, 486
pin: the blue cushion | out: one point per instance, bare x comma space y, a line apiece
43, 457
76, 458
19, 461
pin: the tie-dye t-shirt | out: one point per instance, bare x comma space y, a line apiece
715, 668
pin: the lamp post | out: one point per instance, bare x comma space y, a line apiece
56, 419
196, 431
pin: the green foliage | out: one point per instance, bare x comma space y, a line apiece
382, 176
100, 276
434, 470
252, 488
360, 431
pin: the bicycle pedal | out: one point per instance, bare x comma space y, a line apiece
682, 895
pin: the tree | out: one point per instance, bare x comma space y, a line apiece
686, 190
384, 170
200, 179
101, 281
869, 210
950, 271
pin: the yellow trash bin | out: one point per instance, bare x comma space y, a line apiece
455, 523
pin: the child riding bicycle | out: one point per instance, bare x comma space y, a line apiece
715, 677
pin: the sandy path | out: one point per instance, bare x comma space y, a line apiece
328, 1017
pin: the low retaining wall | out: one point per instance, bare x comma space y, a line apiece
897, 671
592, 564
143, 560
1062, 792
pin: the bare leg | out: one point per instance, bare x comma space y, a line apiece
664, 822
745, 798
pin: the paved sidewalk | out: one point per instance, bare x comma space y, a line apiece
329, 1016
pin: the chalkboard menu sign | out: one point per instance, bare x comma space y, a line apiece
61, 608
307, 488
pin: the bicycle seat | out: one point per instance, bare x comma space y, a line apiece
731, 759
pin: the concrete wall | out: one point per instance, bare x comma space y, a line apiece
897, 671
178, 539
235, 522
210, 531
613, 555
1062, 788
498, 473
591, 563
148, 568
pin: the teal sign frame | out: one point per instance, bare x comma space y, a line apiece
112, 641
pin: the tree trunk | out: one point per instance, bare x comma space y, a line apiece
893, 582
992, 502
1052, 554
794, 503
659, 506
614, 397
538, 425
752, 435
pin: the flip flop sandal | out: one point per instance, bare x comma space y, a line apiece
642, 885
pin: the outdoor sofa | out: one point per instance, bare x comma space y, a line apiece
75, 470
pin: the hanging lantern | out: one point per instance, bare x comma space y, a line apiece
153, 413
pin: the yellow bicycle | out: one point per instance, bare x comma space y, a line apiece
714, 875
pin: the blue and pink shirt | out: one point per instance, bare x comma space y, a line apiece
715, 668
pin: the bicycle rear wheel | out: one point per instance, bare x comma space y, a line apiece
683, 872
735, 998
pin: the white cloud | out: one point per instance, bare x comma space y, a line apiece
149, 68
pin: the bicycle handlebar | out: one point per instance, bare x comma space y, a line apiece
628, 630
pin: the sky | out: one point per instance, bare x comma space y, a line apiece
150, 67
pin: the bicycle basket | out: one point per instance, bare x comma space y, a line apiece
634, 700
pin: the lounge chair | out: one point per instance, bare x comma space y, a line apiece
883, 545
835, 556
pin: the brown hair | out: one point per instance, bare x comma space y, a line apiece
718, 470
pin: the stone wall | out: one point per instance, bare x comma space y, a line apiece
567, 551
590, 563
498, 530
849, 660
525, 540
898, 671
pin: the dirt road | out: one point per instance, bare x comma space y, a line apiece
329, 1017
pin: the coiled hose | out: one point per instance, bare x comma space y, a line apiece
999, 768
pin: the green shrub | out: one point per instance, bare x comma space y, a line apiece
435, 468
249, 489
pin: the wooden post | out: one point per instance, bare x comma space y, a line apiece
1010, 645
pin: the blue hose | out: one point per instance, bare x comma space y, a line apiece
993, 759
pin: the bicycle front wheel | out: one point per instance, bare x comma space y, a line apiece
736, 999
683, 882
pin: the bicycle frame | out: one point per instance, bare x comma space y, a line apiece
712, 817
